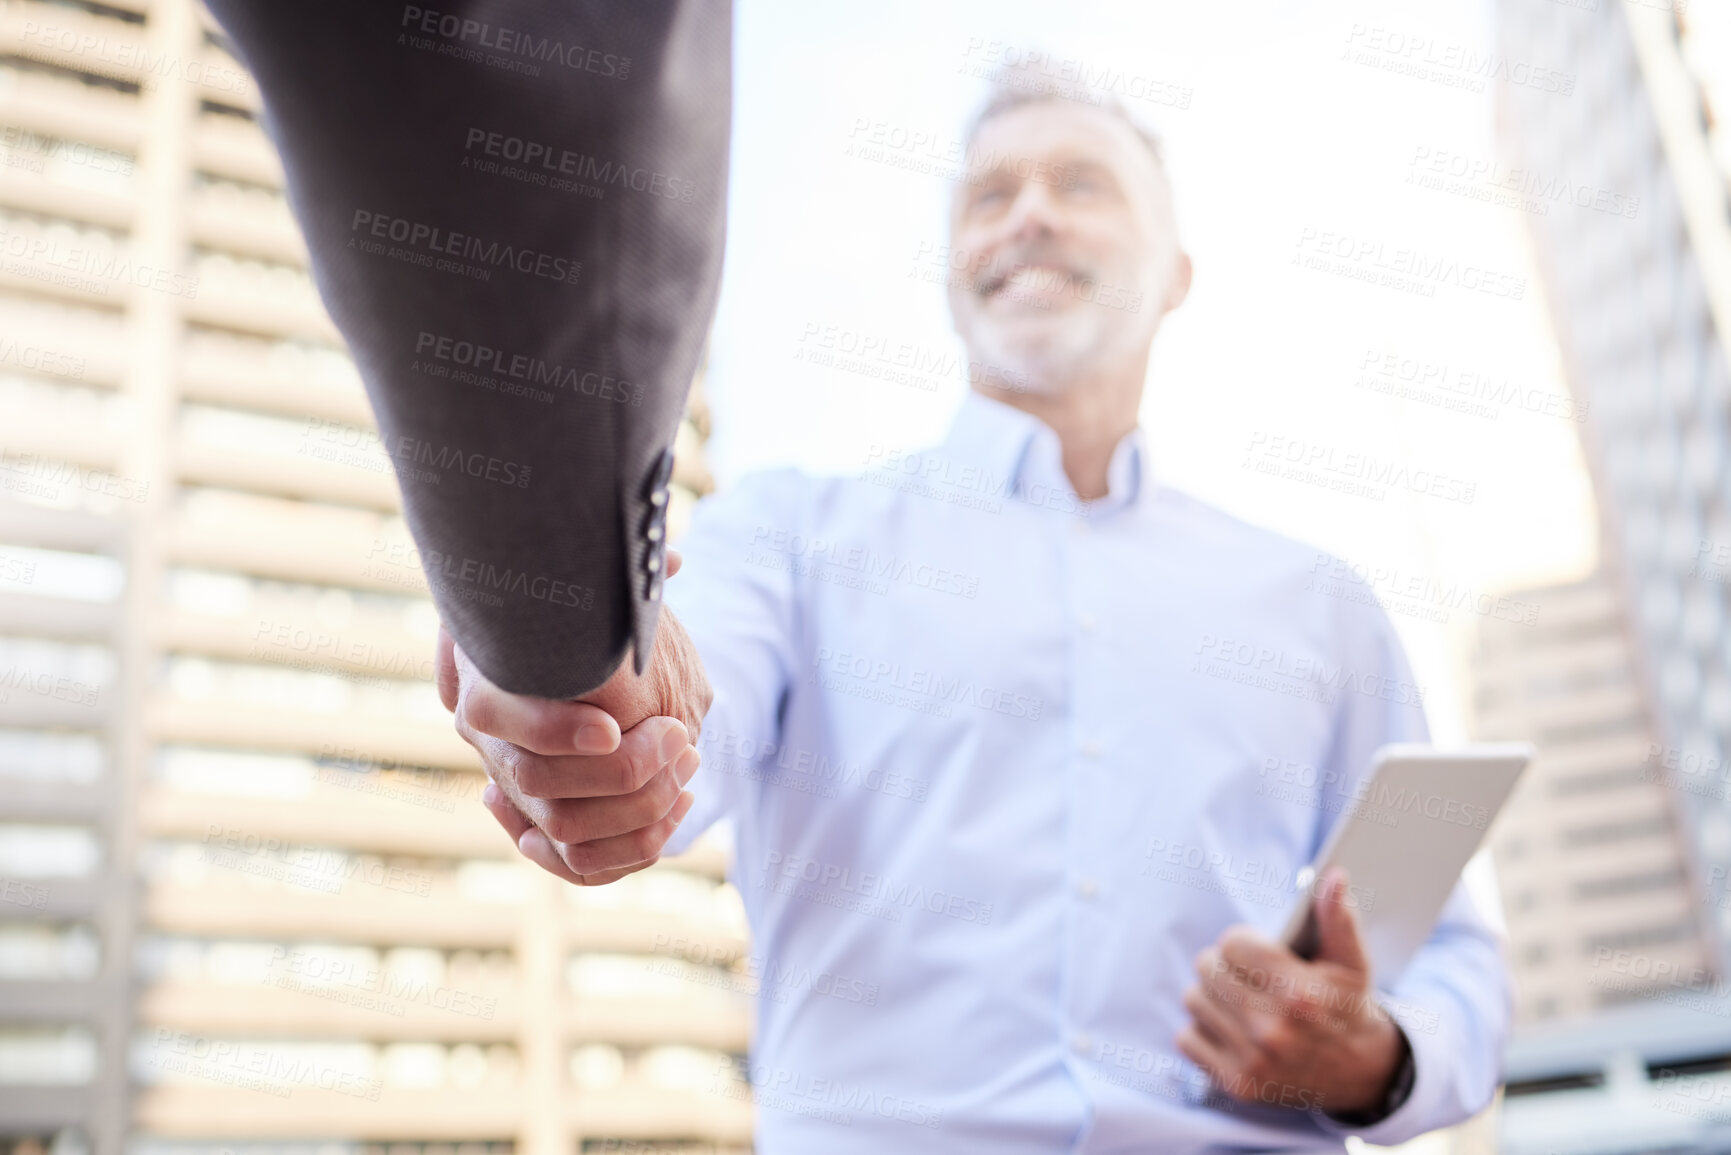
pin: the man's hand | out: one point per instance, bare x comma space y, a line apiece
592, 789
1270, 1027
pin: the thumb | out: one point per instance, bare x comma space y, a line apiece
1338, 937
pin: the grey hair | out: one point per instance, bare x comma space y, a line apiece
1014, 86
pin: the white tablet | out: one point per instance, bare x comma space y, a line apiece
1404, 838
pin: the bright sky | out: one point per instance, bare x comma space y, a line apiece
1283, 121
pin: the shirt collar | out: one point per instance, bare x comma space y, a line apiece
1015, 446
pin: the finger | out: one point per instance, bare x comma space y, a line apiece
1271, 987
504, 812
1209, 964
1220, 1026
607, 876
541, 725
636, 848
674, 560
1196, 1047
645, 749
537, 848
445, 669
580, 820
1244, 949
687, 765
1339, 940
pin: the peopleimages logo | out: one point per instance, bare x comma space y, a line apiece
817, 553
489, 576
783, 872
525, 47
812, 771
59, 687
1399, 266
43, 257
545, 163
951, 688
40, 360
426, 244
1350, 471
830, 1099
1216, 655
524, 369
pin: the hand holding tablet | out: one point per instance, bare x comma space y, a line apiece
1419, 817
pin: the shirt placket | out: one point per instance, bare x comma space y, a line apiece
1085, 780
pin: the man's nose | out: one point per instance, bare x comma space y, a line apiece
1034, 214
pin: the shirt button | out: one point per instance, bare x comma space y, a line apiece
1087, 888
1090, 749
1081, 1044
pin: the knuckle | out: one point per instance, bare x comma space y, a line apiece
504, 757
638, 767
477, 712
1273, 1035
645, 843
565, 824
586, 860
544, 732
659, 796
533, 774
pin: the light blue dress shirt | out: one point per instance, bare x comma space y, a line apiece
1000, 763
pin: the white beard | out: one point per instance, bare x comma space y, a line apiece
1045, 363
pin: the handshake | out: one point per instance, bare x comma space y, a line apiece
592, 789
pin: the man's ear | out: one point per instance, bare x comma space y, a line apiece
1180, 286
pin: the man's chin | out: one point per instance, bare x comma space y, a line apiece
1021, 361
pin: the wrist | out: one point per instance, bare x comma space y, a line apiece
1383, 1094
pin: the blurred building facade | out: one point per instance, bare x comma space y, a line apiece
1590, 855
248, 898
1613, 862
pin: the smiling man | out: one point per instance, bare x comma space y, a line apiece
1024, 748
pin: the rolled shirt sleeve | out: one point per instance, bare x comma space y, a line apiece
736, 600
1454, 1005
1453, 1001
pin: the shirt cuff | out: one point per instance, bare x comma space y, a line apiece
1430, 1045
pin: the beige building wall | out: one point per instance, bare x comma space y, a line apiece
1591, 859
248, 897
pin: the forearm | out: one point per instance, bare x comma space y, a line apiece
527, 352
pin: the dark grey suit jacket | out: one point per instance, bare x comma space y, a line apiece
515, 210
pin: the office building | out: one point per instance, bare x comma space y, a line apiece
1634, 249
248, 898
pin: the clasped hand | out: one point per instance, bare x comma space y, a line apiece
591, 789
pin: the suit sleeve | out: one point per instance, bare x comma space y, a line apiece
741, 611
1453, 1001
514, 211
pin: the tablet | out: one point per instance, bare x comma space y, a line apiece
1404, 838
